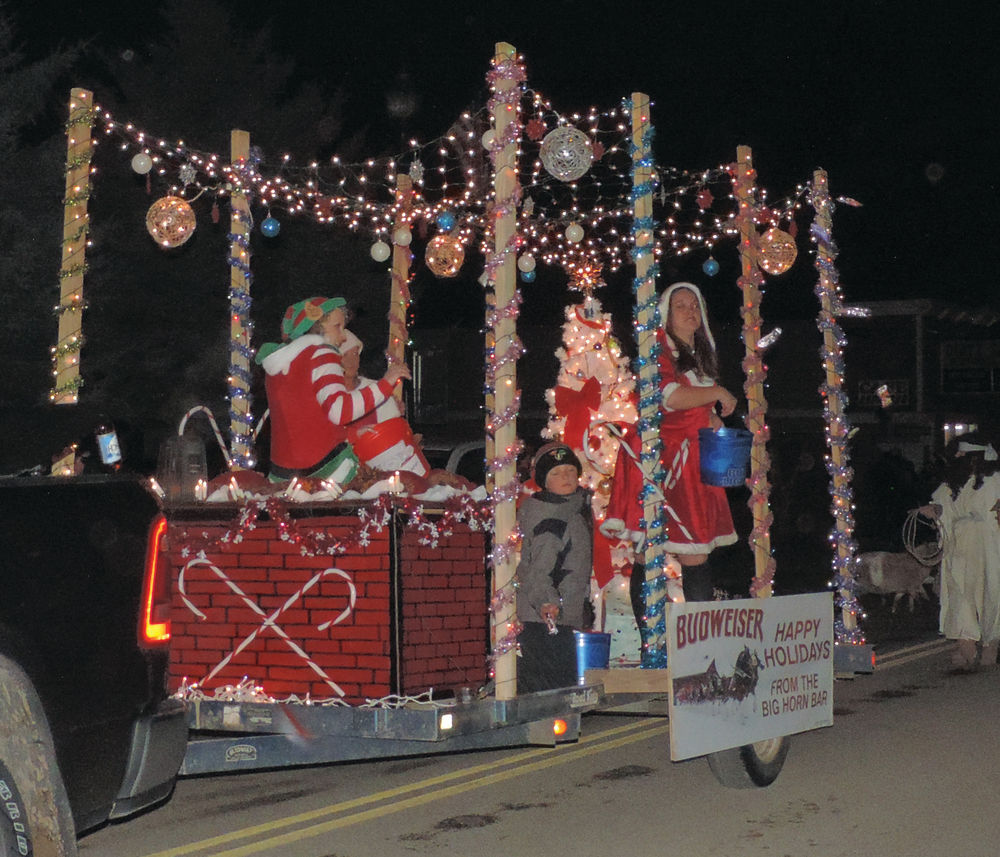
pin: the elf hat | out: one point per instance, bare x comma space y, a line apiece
301, 316
552, 455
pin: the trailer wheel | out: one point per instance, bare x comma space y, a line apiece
35, 816
751, 766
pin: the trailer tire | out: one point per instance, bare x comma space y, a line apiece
752, 765
35, 816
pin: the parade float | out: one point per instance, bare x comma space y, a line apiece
377, 618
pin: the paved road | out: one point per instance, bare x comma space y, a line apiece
910, 767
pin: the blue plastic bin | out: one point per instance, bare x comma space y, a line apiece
725, 455
593, 651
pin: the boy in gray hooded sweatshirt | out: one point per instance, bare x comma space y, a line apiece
554, 571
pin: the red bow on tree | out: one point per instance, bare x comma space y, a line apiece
577, 405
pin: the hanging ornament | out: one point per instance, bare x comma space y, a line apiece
417, 171
445, 256
526, 262
535, 129
777, 251
215, 211
604, 486
529, 206
574, 233
446, 221
142, 163
528, 276
380, 251
402, 236
567, 153
270, 226
187, 174
170, 221
488, 139
704, 199
710, 266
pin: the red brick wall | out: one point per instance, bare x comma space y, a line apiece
444, 605
430, 630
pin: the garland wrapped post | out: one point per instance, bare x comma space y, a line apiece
399, 293
79, 148
647, 321
506, 76
489, 397
750, 282
835, 404
239, 302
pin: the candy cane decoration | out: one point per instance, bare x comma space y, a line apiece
215, 427
270, 622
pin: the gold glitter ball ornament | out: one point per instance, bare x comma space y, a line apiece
567, 153
777, 251
170, 221
445, 256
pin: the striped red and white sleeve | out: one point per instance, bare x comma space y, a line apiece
341, 405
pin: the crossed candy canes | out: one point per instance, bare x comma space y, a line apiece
270, 622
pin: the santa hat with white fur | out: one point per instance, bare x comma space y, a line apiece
664, 307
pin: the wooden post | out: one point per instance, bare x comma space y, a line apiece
756, 422
654, 642
76, 223
490, 404
837, 427
505, 337
399, 292
239, 302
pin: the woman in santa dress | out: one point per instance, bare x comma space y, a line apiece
696, 516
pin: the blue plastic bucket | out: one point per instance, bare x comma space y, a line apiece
593, 651
724, 455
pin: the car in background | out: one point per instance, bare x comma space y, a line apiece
466, 459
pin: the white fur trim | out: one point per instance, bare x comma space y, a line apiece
666, 393
278, 362
350, 341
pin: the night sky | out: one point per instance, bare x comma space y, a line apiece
897, 104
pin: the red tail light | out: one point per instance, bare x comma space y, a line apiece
154, 618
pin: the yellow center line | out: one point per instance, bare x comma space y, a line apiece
911, 653
515, 765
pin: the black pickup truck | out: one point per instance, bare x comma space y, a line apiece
88, 732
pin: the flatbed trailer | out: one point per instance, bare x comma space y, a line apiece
239, 736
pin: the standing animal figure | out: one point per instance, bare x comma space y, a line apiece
897, 574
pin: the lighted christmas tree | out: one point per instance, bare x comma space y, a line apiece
594, 395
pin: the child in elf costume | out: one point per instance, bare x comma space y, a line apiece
309, 402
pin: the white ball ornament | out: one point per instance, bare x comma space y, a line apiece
142, 163
566, 153
526, 262
574, 233
402, 236
488, 139
380, 251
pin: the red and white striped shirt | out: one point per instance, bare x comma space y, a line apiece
309, 403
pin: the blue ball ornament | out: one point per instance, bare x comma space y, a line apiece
528, 276
270, 226
710, 267
446, 221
